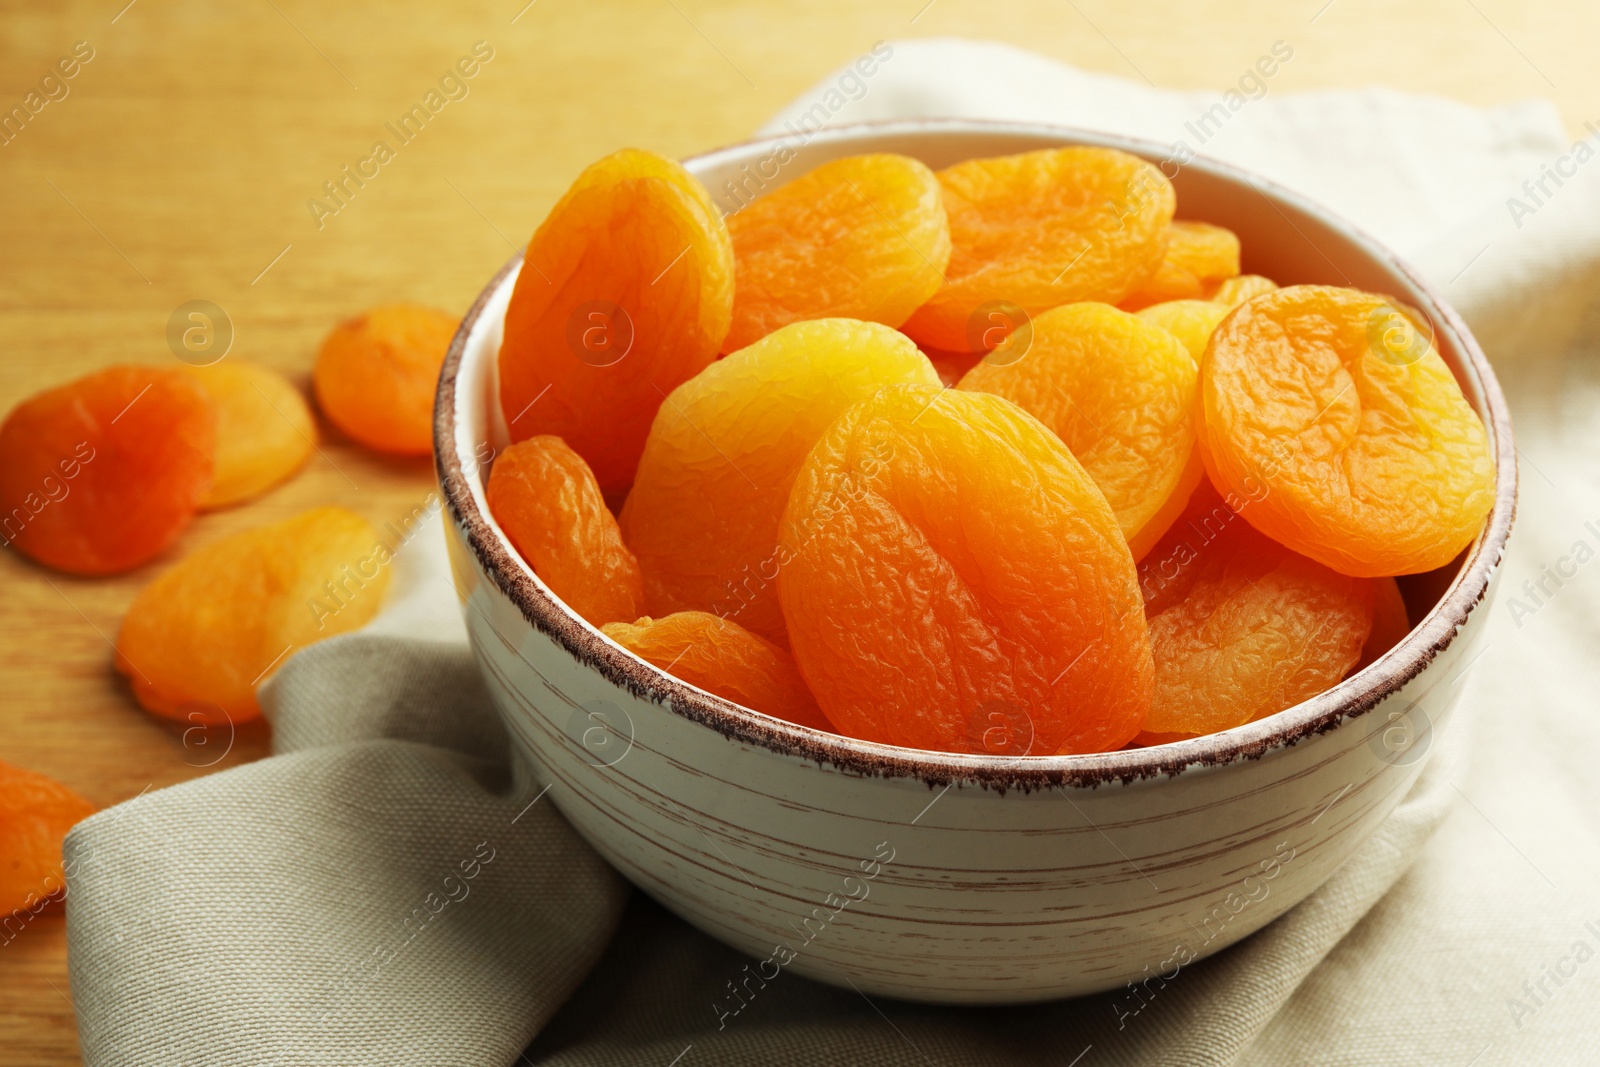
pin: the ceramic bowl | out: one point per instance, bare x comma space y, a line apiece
963, 878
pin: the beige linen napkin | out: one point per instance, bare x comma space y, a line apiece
390, 889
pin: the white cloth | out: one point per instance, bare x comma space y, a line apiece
270, 914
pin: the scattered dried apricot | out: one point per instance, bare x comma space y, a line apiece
626, 293
200, 637
1120, 393
1232, 292
1042, 229
724, 658
264, 430
102, 474
546, 500
956, 581
1199, 256
1190, 321
863, 237
724, 450
36, 812
1375, 462
376, 375
1240, 626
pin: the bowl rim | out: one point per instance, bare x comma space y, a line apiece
1350, 699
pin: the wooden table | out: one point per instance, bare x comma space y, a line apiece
179, 165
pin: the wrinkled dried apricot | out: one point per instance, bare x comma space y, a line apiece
863, 237
724, 658
546, 500
102, 474
1240, 626
199, 638
723, 452
36, 812
1042, 229
956, 581
264, 430
1390, 621
376, 375
626, 293
1231, 292
1190, 321
1375, 462
1199, 256
1121, 394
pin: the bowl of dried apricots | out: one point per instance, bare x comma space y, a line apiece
977, 562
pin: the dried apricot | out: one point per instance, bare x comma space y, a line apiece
1121, 394
1190, 321
376, 375
102, 474
863, 237
36, 812
723, 452
1390, 621
724, 658
546, 500
200, 637
1041, 229
626, 293
264, 430
1199, 256
1375, 462
1231, 292
1240, 626
951, 366
957, 582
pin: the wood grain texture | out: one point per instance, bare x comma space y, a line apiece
180, 165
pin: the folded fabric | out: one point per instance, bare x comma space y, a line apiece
392, 887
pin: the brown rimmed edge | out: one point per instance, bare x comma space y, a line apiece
1349, 699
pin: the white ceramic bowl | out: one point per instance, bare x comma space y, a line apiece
960, 878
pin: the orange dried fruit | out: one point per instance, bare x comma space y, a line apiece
102, 474
36, 812
1120, 393
199, 638
724, 658
1199, 256
951, 366
376, 375
264, 430
546, 500
1041, 229
957, 582
1391, 622
1375, 462
1240, 626
724, 450
1231, 292
864, 237
1190, 321
626, 293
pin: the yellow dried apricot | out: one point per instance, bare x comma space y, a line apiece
1199, 256
546, 500
1041, 229
102, 474
1375, 462
199, 638
1231, 292
956, 581
723, 452
376, 375
1240, 626
1190, 321
723, 658
265, 431
1120, 393
863, 237
626, 292
36, 812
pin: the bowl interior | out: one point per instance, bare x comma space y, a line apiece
1284, 237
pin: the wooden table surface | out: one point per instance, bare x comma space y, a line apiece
179, 165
